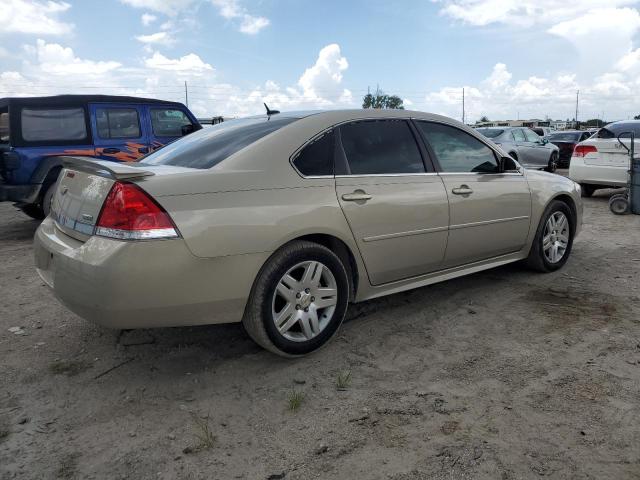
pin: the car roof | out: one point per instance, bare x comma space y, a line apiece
62, 100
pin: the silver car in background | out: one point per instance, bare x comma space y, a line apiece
525, 146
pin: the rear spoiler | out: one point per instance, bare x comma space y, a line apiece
105, 168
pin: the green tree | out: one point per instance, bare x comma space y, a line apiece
484, 118
382, 100
637, 117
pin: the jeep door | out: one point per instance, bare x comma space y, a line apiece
120, 132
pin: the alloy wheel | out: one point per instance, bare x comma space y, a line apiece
304, 301
555, 239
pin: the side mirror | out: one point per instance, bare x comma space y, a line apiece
506, 164
187, 129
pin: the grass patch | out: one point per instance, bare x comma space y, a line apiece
68, 367
343, 380
203, 432
295, 399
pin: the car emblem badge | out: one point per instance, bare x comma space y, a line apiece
87, 217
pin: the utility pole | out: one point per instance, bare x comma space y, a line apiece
186, 94
577, 100
463, 105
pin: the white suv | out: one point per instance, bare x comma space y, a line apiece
601, 161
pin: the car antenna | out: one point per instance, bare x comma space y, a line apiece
269, 111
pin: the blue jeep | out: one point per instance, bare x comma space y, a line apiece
36, 131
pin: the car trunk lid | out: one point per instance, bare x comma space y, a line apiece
610, 152
83, 186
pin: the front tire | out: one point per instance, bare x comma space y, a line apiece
298, 300
554, 238
553, 163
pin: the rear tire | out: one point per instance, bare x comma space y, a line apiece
47, 198
587, 190
285, 313
554, 238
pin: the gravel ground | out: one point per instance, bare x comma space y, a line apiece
503, 374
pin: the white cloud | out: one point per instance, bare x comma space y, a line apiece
324, 78
168, 7
232, 10
33, 17
55, 59
159, 38
188, 64
522, 12
630, 61
500, 97
147, 19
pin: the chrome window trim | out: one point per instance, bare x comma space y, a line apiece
387, 236
422, 174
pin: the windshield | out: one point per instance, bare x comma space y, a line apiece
491, 132
209, 146
614, 129
564, 137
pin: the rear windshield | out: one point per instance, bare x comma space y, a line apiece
60, 124
209, 146
614, 129
564, 137
491, 132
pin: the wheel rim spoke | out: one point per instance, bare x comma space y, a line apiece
304, 301
555, 239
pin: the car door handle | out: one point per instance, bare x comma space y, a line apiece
110, 150
357, 196
462, 190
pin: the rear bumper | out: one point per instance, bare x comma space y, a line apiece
19, 193
597, 174
143, 284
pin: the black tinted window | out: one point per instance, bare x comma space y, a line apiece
317, 157
168, 122
64, 124
118, 123
614, 129
209, 146
564, 137
457, 151
380, 146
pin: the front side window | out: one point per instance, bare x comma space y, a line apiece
118, 123
380, 147
168, 122
457, 151
210, 146
317, 157
531, 135
60, 124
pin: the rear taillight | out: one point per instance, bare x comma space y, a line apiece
129, 213
582, 150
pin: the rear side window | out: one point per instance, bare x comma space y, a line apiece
317, 157
457, 151
490, 132
118, 123
210, 146
4, 127
63, 124
380, 147
168, 122
518, 136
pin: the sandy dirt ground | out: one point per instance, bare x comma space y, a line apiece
505, 374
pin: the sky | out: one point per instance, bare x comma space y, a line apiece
513, 58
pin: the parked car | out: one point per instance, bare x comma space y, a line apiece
566, 142
543, 132
600, 161
279, 221
36, 131
525, 146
